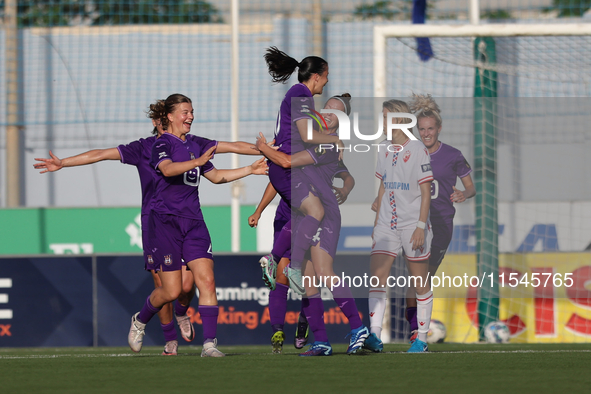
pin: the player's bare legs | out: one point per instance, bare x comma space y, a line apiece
202, 270
170, 289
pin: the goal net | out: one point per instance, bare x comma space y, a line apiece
515, 101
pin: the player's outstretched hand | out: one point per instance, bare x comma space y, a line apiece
49, 165
341, 194
260, 167
253, 219
457, 195
418, 238
261, 140
205, 157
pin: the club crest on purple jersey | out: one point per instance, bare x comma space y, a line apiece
168, 259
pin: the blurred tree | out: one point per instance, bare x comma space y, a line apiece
47, 13
569, 7
496, 14
388, 9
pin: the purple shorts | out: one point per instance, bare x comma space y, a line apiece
330, 229
148, 258
281, 180
442, 233
301, 187
174, 239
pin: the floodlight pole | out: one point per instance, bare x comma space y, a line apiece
237, 185
13, 184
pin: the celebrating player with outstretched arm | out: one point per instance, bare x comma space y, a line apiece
177, 231
138, 153
402, 222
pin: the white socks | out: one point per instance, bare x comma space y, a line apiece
377, 308
424, 310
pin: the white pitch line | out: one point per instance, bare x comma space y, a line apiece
49, 356
33, 356
497, 351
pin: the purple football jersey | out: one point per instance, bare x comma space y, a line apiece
179, 195
326, 164
287, 136
447, 164
138, 154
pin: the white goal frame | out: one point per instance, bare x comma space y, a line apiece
381, 33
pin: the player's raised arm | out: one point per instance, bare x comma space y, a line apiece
239, 147
216, 176
92, 156
317, 138
280, 158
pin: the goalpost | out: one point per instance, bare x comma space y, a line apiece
539, 61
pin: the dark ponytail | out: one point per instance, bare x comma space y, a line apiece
281, 65
155, 113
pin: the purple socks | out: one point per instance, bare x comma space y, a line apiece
148, 311
344, 298
314, 313
278, 306
411, 317
179, 309
169, 331
209, 319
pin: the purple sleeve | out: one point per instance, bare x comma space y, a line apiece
131, 153
160, 152
302, 108
207, 167
205, 143
462, 168
425, 174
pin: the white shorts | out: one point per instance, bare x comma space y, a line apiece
389, 242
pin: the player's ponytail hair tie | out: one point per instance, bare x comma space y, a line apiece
281, 65
423, 106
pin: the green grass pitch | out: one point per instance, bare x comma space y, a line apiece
448, 368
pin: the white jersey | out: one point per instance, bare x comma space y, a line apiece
402, 170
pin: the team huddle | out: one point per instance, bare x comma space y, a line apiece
416, 218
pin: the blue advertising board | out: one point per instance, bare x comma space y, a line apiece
89, 300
